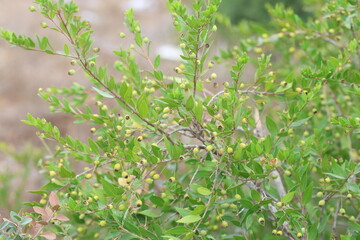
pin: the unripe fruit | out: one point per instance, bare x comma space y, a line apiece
117, 166
71, 72
172, 179
124, 174
149, 180
242, 145
96, 50
288, 173
52, 173
96, 198
261, 221
213, 76
352, 219
274, 176
110, 206
102, 223
320, 194
156, 176
186, 196
203, 232
299, 235
327, 180
89, 175
122, 207
274, 232
342, 211
321, 203
224, 224
209, 147
138, 203
214, 28
237, 196
44, 25
146, 40
43, 201
166, 110
182, 45
279, 204
229, 150
349, 196
122, 35
32, 9
178, 70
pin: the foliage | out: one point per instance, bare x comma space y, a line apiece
15, 176
272, 155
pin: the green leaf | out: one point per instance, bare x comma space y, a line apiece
203, 191
271, 126
179, 230
307, 195
143, 106
102, 93
157, 61
150, 213
64, 173
288, 197
189, 219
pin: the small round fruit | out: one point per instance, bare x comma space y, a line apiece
224, 224
44, 25
279, 233
279, 204
327, 180
209, 147
89, 175
43, 201
172, 179
122, 207
320, 194
203, 232
237, 196
32, 9
122, 35
352, 219
342, 211
52, 173
321, 203
96, 50
156, 176
261, 221
102, 223
117, 166
349, 196
288, 173
138, 203
230, 150
71, 72
149, 180
299, 235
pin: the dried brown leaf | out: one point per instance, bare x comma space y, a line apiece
61, 217
53, 199
39, 210
49, 235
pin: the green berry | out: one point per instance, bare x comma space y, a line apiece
321, 203
71, 72
44, 25
32, 9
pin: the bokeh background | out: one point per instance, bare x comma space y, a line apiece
22, 73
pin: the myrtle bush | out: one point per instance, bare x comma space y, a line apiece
195, 155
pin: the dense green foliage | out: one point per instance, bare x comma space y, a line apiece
275, 155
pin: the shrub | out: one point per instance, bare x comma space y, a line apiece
276, 154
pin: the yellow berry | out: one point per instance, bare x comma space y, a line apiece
196, 150
102, 223
117, 166
122, 207
209, 147
89, 175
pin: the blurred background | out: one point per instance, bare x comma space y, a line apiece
22, 73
